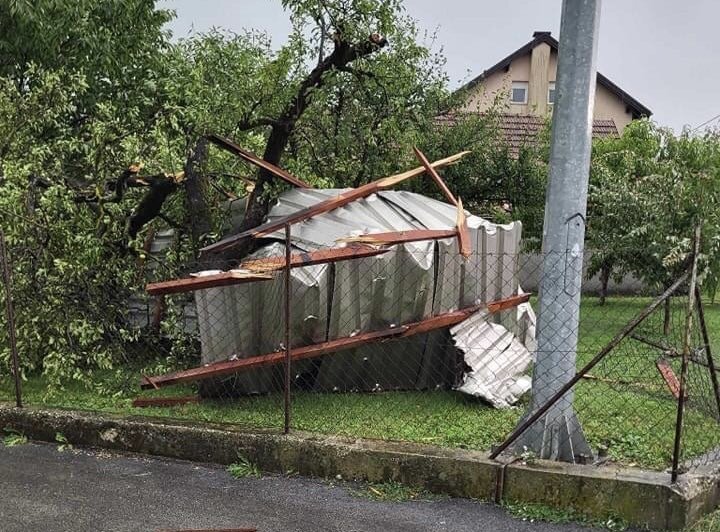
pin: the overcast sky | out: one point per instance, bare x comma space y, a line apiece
662, 52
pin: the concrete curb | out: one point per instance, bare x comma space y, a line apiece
641, 498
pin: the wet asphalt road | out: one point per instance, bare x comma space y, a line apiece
80, 490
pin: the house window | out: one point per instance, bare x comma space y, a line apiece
551, 93
519, 92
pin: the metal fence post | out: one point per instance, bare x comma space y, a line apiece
7, 279
685, 357
619, 337
708, 348
287, 329
559, 435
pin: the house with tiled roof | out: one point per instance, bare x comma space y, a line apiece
524, 85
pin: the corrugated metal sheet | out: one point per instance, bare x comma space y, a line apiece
497, 355
413, 281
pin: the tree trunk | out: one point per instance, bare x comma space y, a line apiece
282, 129
605, 272
259, 201
196, 194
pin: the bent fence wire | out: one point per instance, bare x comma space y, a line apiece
410, 342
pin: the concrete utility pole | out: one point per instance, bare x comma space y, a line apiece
558, 434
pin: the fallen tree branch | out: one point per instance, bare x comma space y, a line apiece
344, 52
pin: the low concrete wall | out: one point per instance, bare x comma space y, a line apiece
531, 269
644, 498
639, 497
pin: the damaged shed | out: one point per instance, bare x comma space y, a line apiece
376, 283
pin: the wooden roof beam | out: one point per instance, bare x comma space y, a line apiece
392, 238
328, 205
463, 233
230, 367
144, 402
435, 176
320, 256
257, 269
228, 145
190, 284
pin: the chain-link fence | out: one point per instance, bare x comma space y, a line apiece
407, 336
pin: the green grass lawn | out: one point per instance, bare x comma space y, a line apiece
709, 523
626, 410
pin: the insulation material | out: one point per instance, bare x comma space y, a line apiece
413, 281
497, 357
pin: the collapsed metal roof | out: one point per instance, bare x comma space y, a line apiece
409, 283
363, 265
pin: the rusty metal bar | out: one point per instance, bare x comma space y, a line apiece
685, 358
144, 402
288, 355
639, 318
10, 311
311, 258
190, 284
668, 376
392, 238
233, 148
328, 205
435, 176
339, 344
708, 351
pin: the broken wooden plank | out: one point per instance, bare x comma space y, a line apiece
229, 367
400, 237
668, 376
230, 146
435, 176
507, 303
310, 258
144, 402
327, 205
463, 233
200, 282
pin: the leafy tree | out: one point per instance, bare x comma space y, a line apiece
77, 205
494, 181
649, 190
